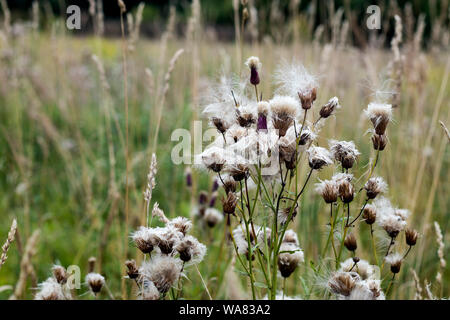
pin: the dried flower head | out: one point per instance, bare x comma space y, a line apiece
229, 184
328, 109
318, 157
284, 110
221, 124
50, 289
306, 136
60, 274
395, 260
148, 291
411, 237
307, 98
182, 224
235, 133
263, 112
213, 158
212, 217
254, 64
341, 283
289, 258
132, 269
328, 189
350, 242
380, 114
229, 203
284, 213
168, 237
246, 115
361, 267
191, 250
162, 270
239, 171
287, 150
95, 281
369, 214
375, 186
345, 152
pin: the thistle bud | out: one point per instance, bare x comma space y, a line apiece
329, 107
263, 110
350, 242
346, 191
374, 186
95, 281
395, 260
254, 64
411, 237
229, 184
60, 274
308, 98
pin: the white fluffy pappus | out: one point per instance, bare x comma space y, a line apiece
50, 289
293, 78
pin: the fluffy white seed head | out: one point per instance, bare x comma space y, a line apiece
293, 79
380, 114
50, 289
318, 157
95, 281
162, 270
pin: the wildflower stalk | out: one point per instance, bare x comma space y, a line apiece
277, 242
390, 285
374, 248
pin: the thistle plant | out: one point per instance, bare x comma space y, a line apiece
258, 156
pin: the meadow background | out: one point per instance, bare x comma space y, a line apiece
63, 129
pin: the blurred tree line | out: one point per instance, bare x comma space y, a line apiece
220, 13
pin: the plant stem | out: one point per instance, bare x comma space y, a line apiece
360, 212
389, 286
373, 245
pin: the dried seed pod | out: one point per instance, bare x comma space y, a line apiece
329, 107
395, 260
350, 242
375, 186
411, 237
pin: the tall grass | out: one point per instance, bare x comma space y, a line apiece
68, 158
